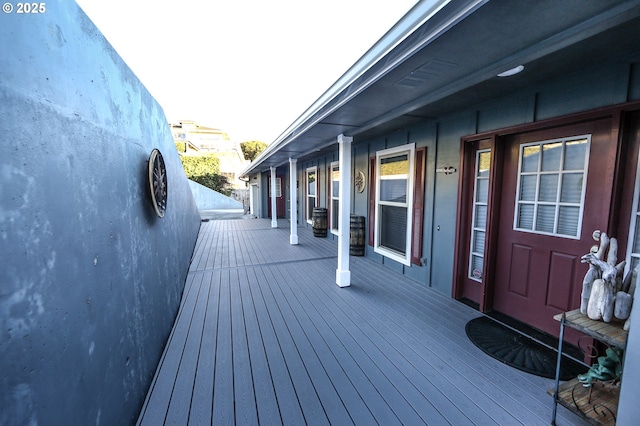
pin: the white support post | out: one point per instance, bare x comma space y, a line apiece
343, 274
293, 197
274, 211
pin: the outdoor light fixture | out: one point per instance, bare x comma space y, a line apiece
512, 71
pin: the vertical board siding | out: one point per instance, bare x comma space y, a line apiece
264, 336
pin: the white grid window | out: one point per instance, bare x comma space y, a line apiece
335, 196
633, 249
479, 217
394, 202
552, 177
311, 191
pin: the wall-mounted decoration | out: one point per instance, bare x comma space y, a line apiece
446, 170
157, 182
360, 181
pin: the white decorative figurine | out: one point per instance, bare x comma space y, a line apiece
604, 294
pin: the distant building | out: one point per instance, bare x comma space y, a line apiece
201, 140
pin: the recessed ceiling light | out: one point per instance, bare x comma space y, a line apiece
512, 71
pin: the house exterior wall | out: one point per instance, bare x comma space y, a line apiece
584, 90
91, 278
264, 179
606, 85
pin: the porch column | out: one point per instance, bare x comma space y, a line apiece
343, 275
293, 197
274, 212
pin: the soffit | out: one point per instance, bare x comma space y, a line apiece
458, 68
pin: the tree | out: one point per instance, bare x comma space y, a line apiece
181, 147
205, 169
251, 149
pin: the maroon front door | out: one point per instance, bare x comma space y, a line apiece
547, 218
279, 196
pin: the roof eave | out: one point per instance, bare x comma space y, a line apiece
422, 12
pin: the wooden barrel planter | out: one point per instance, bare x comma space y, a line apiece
356, 236
319, 219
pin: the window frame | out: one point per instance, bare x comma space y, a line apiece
307, 196
474, 226
334, 226
633, 257
409, 150
557, 204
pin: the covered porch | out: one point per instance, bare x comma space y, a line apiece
265, 336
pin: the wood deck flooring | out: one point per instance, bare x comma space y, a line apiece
265, 336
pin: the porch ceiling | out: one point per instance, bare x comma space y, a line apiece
451, 61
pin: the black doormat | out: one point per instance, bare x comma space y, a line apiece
518, 350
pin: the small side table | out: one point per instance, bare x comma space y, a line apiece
597, 404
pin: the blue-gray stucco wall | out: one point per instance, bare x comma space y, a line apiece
90, 278
208, 199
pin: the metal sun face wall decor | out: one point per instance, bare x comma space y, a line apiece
157, 174
360, 182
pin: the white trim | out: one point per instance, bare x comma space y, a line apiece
408, 149
557, 203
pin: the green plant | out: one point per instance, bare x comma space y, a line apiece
181, 147
251, 149
206, 171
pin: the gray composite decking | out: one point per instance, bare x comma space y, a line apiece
265, 336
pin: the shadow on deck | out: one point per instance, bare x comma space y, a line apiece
265, 336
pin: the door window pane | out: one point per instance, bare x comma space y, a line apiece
484, 163
551, 155
530, 156
479, 220
548, 188
571, 188
550, 198
546, 218
528, 184
476, 267
478, 241
525, 216
568, 219
482, 189
576, 151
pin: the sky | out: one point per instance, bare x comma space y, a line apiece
247, 67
